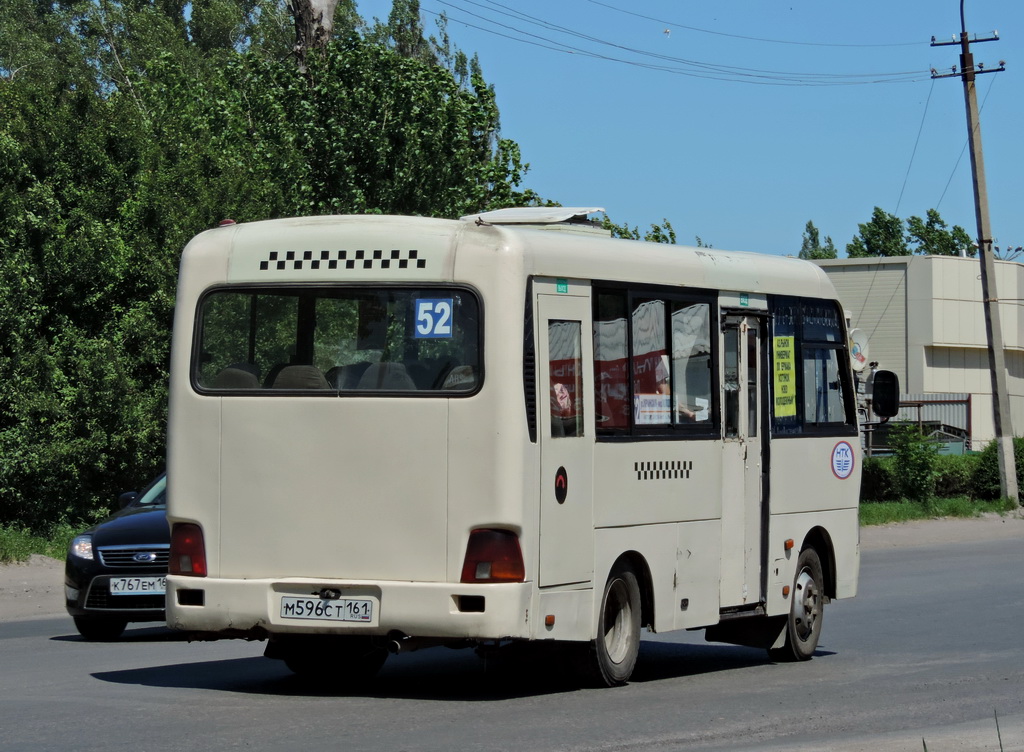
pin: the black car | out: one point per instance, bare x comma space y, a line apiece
116, 571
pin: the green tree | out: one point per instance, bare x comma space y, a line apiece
934, 239
882, 236
127, 127
811, 247
405, 31
663, 233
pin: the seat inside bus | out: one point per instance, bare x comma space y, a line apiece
387, 376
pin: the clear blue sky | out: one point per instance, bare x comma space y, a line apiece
739, 142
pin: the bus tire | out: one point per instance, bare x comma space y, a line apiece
611, 657
803, 625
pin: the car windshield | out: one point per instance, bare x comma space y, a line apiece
155, 495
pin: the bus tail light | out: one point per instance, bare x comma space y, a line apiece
493, 556
188, 550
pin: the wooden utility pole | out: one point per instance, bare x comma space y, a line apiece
993, 327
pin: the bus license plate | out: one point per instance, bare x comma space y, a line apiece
138, 585
341, 609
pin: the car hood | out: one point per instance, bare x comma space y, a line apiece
142, 526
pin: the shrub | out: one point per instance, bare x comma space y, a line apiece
985, 483
955, 475
876, 481
914, 463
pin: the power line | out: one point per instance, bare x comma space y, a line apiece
916, 142
664, 63
740, 36
964, 148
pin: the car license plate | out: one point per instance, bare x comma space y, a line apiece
138, 585
339, 609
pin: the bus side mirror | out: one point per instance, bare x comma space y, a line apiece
885, 394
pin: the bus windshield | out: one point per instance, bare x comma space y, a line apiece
338, 339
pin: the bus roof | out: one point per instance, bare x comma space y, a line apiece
281, 250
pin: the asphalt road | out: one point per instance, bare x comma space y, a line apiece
930, 651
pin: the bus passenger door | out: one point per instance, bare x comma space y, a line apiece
566, 428
742, 462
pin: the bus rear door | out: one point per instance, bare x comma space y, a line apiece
566, 428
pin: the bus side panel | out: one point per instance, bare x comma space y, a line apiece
695, 602
649, 482
842, 534
492, 466
651, 542
194, 424
802, 475
682, 558
799, 465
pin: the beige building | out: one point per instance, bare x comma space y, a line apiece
924, 320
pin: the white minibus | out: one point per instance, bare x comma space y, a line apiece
387, 433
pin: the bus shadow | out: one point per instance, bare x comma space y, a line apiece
136, 635
443, 675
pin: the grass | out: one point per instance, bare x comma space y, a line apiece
17, 544
882, 512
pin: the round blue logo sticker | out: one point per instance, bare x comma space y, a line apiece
842, 460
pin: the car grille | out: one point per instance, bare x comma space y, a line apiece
124, 556
100, 597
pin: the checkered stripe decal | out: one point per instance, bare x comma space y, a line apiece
666, 470
362, 259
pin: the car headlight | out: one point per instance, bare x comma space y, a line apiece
81, 547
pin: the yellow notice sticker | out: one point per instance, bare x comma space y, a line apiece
784, 377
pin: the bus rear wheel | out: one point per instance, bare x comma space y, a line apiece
611, 657
803, 625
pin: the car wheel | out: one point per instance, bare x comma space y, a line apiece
100, 628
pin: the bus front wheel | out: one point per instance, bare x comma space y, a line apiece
803, 625
611, 657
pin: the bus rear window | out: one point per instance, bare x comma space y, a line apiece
330, 340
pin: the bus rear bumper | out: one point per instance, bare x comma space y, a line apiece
212, 608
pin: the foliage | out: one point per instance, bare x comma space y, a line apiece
934, 239
663, 233
880, 513
125, 128
876, 480
986, 475
915, 459
884, 235
18, 544
954, 475
811, 247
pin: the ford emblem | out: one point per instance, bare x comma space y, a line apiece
144, 558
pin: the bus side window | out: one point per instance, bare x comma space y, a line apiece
565, 355
732, 381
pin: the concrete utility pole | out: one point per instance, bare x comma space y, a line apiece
993, 327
